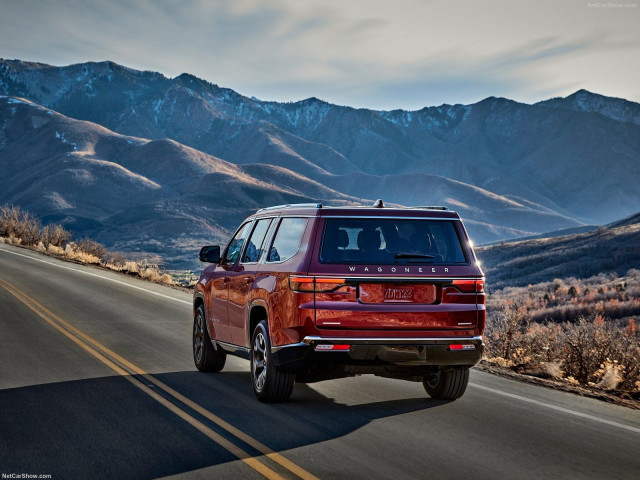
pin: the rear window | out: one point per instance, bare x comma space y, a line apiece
391, 241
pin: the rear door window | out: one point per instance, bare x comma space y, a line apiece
255, 244
391, 241
287, 240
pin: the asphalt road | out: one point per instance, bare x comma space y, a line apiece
97, 381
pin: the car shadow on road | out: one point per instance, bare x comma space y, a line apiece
107, 428
308, 418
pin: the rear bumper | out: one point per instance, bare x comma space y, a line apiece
380, 351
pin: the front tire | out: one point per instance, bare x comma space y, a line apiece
446, 384
206, 357
269, 383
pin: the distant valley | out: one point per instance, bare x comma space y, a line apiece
159, 166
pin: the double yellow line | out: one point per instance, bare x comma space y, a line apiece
127, 370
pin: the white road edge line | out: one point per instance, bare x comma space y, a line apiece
96, 275
555, 407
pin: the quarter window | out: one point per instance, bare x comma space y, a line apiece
288, 239
255, 246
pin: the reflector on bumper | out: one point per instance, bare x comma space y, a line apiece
465, 346
327, 347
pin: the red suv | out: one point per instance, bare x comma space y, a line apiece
309, 293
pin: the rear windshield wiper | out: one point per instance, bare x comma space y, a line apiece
413, 255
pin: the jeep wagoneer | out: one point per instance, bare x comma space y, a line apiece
308, 292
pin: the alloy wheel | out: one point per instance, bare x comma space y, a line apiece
198, 339
433, 379
259, 362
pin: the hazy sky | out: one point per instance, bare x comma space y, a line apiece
381, 54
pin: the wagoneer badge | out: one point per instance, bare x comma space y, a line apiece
362, 269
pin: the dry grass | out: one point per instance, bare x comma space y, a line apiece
18, 227
144, 270
11, 240
73, 252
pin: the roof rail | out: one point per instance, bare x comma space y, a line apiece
430, 208
291, 205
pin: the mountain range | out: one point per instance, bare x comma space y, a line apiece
161, 165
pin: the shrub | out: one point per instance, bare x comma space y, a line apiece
9, 220
592, 351
15, 222
115, 259
28, 229
90, 247
55, 235
505, 328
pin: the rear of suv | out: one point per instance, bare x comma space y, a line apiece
310, 293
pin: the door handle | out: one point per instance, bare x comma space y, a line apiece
248, 280
225, 280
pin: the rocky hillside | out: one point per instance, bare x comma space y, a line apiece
611, 249
133, 194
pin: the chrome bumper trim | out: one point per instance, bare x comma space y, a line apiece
378, 341
390, 340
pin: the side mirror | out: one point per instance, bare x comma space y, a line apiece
210, 254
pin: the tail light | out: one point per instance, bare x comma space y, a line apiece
469, 286
315, 284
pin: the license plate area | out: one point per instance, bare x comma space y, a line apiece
397, 293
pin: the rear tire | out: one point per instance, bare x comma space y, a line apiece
206, 357
446, 384
269, 383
